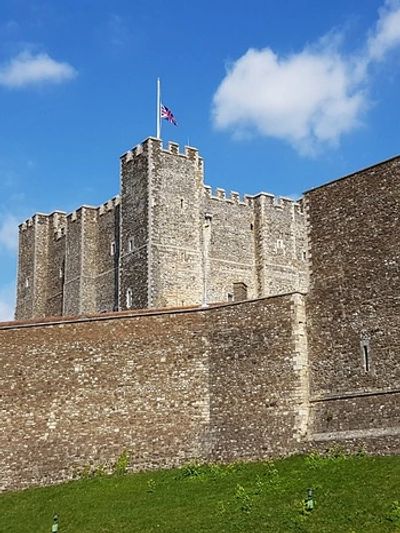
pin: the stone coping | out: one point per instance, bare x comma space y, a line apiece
115, 315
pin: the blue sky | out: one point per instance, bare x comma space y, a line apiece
277, 96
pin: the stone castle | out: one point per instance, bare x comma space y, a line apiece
164, 241
299, 348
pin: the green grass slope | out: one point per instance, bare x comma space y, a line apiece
353, 494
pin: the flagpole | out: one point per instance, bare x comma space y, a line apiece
158, 107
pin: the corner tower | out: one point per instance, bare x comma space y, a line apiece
161, 256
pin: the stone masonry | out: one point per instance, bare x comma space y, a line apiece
245, 379
165, 240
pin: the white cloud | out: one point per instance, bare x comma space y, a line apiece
29, 69
387, 33
8, 232
7, 302
310, 98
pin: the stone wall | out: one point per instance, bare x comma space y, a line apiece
134, 227
107, 269
26, 261
167, 387
281, 245
175, 226
73, 263
56, 264
258, 389
230, 252
353, 309
32, 267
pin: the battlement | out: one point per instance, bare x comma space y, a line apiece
58, 219
232, 198
153, 145
79, 213
30, 222
280, 202
110, 205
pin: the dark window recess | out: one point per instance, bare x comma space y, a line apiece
366, 358
239, 291
366, 355
181, 203
251, 226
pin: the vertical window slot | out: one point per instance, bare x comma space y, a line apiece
366, 355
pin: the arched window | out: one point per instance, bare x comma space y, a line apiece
129, 298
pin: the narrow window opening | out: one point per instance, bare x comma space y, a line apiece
366, 358
230, 297
131, 244
61, 272
304, 256
181, 203
129, 298
113, 248
365, 354
251, 226
27, 283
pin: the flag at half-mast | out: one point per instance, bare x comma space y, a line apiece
168, 115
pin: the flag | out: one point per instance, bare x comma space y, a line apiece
168, 115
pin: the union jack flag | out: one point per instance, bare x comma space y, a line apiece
168, 115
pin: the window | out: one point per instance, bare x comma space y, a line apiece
131, 244
239, 291
113, 248
129, 298
251, 226
181, 203
61, 272
304, 255
366, 355
27, 283
230, 297
279, 245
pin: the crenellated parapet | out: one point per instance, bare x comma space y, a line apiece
110, 205
221, 195
278, 202
152, 146
36, 218
262, 198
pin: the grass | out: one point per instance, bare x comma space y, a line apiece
353, 494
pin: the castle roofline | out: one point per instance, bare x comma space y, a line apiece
384, 162
172, 147
101, 208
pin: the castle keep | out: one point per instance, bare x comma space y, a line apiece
299, 351
165, 240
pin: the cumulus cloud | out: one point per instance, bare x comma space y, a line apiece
7, 302
310, 98
8, 232
29, 69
